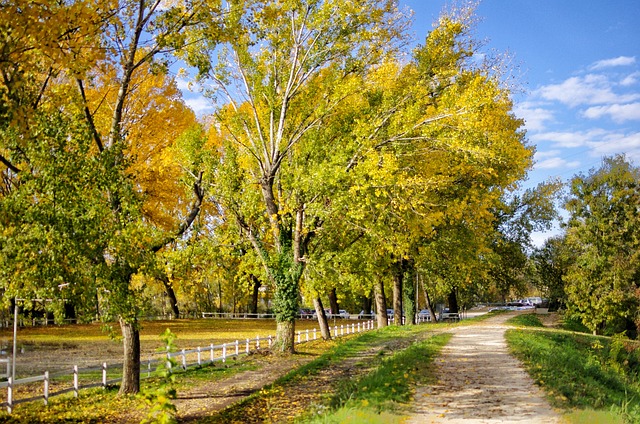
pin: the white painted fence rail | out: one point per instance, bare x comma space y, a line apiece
98, 376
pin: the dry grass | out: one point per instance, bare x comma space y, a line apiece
56, 348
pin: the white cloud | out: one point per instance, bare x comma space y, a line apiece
183, 84
200, 105
614, 143
616, 61
592, 89
617, 112
557, 163
534, 116
630, 80
567, 140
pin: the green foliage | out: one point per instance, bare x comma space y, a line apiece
161, 410
579, 370
526, 320
603, 282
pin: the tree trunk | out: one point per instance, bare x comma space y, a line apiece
381, 305
453, 301
131, 367
333, 302
367, 304
322, 319
285, 336
397, 295
253, 308
171, 294
432, 313
409, 293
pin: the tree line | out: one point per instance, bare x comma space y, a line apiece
337, 165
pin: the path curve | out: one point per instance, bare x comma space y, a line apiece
479, 382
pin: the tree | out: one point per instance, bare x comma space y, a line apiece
550, 264
603, 284
288, 69
66, 53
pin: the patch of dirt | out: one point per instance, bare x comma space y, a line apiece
478, 381
283, 403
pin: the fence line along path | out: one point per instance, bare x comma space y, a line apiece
61, 382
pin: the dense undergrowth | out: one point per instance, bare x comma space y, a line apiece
580, 371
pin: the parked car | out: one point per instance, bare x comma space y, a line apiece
366, 315
306, 313
424, 315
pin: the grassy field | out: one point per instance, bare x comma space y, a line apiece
56, 348
593, 378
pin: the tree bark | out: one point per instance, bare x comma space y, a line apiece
409, 293
381, 304
285, 337
397, 295
333, 302
322, 319
131, 367
253, 308
432, 313
171, 294
453, 301
367, 304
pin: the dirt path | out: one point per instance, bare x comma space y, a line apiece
480, 382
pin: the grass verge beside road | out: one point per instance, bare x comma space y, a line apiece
584, 375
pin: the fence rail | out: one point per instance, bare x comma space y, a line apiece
98, 376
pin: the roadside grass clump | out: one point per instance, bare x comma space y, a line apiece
526, 320
580, 371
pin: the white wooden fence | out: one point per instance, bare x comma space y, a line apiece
99, 377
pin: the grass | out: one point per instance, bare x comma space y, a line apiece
380, 395
581, 373
374, 389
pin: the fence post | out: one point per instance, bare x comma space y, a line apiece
104, 375
212, 353
335, 330
237, 348
10, 395
224, 352
149, 366
307, 334
341, 330
353, 328
184, 360
247, 346
75, 381
270, 341
46, 388
298, 337
257, 342
314, 334
199, 356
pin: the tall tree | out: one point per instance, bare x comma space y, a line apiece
603, 284
291, 66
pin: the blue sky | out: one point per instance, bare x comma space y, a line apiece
578, 64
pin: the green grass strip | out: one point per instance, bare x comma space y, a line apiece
376, 396
582, 371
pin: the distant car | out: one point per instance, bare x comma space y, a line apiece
424, 315
343, 314
306, 313
366, 315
